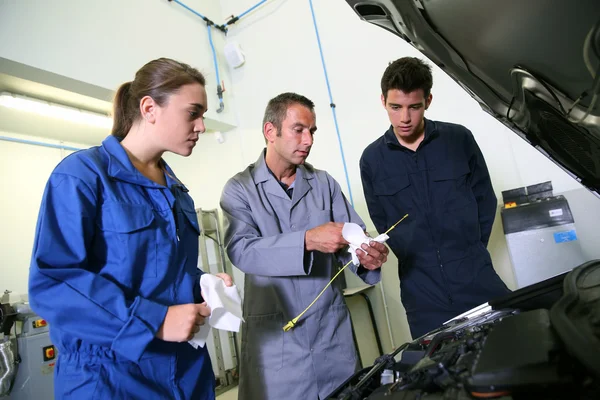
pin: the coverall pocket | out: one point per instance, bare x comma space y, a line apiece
192, 220
262, 341
390, 186
452, 171
128, 238
394, 194
452, 186
341, 344
320, 217
75, 381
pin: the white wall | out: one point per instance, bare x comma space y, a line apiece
25, 170
105, 42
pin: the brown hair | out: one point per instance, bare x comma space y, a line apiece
158, 79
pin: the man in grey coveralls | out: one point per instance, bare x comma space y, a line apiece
284, 221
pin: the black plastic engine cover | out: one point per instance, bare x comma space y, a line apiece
518, 352
576, 316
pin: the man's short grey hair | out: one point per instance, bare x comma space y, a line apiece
277, 107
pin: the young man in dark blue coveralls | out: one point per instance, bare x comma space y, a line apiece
435, 172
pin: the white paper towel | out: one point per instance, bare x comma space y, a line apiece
225, 305
354, 235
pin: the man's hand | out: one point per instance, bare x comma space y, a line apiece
326, 238
376, 254
226, 278
182, 322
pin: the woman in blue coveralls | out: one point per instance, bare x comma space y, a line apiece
114, 266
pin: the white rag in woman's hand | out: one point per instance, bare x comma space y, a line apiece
225, 305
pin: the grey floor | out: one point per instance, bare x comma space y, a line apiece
231, 394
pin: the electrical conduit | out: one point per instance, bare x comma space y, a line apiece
331, 103
209, 23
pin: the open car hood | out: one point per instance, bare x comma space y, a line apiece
533, 65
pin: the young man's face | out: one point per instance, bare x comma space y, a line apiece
406, 111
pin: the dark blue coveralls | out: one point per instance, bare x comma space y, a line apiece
444, 186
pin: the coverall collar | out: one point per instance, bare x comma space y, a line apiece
261, 173
121, 168
430, 130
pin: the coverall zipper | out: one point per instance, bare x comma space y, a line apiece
444, 277
173, 211
427, 207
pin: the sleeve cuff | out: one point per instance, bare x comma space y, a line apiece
146, 318
367, 276
308, 261
307, 256
197, 293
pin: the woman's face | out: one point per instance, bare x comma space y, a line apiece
181, 119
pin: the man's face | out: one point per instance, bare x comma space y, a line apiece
406, 111
292, 143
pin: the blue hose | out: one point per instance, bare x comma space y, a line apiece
331, 103
212, 47
219, 87
189, 9
32, 142
250, 9
214, 53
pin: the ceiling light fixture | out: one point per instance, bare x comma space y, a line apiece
54, 110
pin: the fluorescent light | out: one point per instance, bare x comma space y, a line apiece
53, 110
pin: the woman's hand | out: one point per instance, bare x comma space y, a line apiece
182, 322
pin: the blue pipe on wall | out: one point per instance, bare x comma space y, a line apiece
189, 9
331, 103
212, 47
209, 23
33, 142
216, 63
250, 9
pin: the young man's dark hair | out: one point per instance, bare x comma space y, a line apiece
407, 74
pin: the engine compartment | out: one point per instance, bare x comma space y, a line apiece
540, 342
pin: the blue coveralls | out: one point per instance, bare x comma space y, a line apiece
112, 251
444, 186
